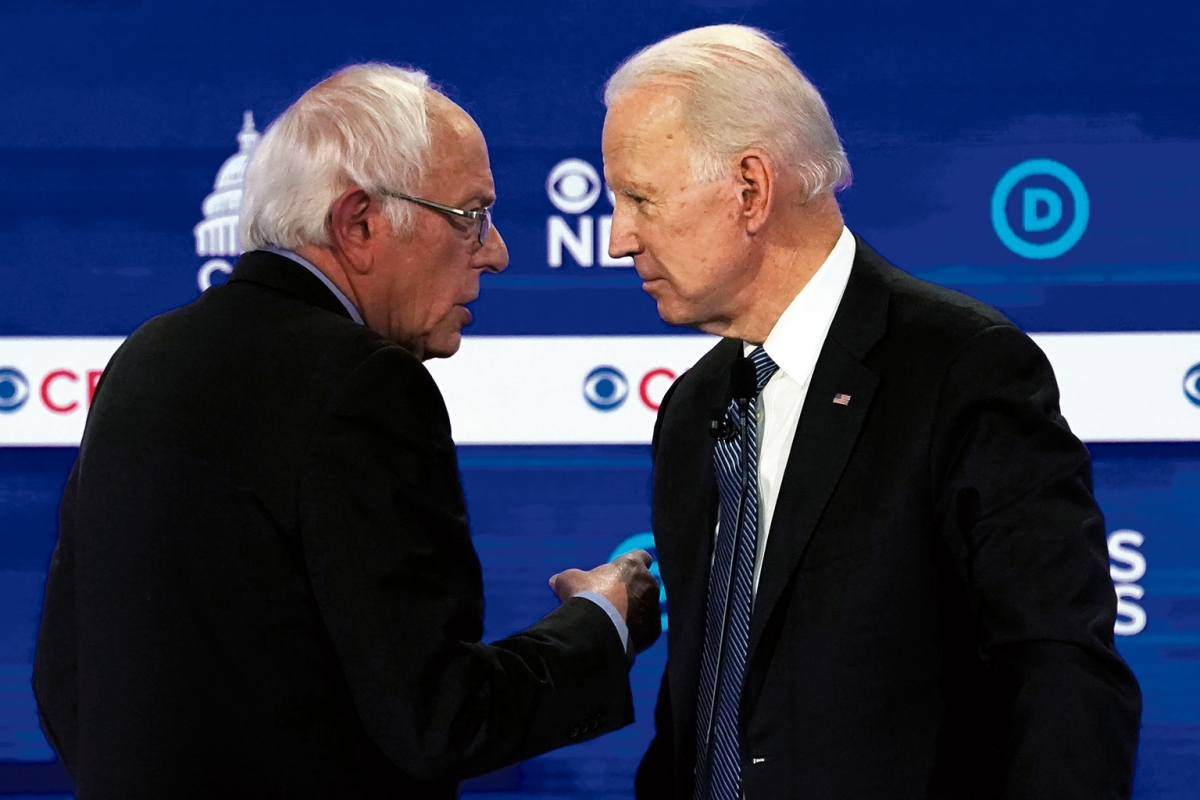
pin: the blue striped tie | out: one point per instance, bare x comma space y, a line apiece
730, 595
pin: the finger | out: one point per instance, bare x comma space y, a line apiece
639, 557
625, 559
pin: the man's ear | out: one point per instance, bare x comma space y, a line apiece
351, 218
756, 185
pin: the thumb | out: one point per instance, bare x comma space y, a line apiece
566, 583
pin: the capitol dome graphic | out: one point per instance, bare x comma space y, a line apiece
217, 235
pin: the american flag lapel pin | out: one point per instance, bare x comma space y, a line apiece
841, 399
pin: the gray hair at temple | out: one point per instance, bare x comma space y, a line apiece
366, 126
740, 91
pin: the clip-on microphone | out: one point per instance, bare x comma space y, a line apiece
743, 384
719, 427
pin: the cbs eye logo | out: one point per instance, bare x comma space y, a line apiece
14, 389
1050, 211
605, 388
1191, 385
579, 230
573, 186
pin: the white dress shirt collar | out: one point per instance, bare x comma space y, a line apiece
796, 340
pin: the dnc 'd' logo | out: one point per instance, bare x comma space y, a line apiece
1191, 385
605, 388
14, 389
1040, 209
574, 187
217, 234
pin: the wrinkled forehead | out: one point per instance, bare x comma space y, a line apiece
645, 127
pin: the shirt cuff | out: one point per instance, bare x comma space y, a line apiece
614, 615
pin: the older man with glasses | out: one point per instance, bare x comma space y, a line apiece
265, 583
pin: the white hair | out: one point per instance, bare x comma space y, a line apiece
366, 126
740, 90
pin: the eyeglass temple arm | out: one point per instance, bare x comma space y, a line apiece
422, 201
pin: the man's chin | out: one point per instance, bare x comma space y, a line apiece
442, 345
673, 314
671, 309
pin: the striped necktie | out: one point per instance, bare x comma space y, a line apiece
730, 596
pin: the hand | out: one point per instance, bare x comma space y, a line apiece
625, 582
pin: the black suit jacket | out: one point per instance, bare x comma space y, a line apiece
934, 617
265, 586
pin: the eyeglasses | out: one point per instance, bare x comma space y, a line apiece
481, 215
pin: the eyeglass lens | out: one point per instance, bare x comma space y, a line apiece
485, 225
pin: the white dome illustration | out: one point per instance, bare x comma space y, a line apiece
217, 235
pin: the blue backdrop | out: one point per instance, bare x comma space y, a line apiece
118, 116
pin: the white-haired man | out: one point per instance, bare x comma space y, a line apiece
886, 573
264, 584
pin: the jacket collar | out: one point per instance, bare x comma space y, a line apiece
285, 276
861, 318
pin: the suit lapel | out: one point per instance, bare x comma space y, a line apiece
824, 440
685, 531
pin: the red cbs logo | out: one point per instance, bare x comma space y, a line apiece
654, 385
64, 391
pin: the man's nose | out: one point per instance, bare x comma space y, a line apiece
622, 240
493, 256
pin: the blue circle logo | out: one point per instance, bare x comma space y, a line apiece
645, 541
1041, 209
14, 389
1191, 385
605, 388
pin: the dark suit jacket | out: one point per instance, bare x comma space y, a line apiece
934, 617
265, 585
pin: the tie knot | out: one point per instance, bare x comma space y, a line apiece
764, 367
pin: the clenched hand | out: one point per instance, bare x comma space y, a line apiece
625, 582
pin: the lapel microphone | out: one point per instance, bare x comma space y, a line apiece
720, 427
743, 384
